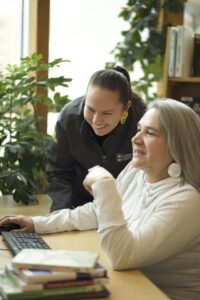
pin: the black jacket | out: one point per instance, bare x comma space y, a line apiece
74, 149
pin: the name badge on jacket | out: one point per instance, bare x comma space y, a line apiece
123, 157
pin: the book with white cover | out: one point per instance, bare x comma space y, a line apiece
55, 260
172, 50
184, 52
41, 276
13, 274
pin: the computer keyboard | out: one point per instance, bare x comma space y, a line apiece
16, 241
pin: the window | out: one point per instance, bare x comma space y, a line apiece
84, 32
10, 32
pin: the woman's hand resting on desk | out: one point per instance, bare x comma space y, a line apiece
24, 222
95, 174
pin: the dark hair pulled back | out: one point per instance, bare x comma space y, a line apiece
117, 79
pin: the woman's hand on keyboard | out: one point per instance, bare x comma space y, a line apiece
26, 224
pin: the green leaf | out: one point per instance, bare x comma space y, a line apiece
142, 41
23, 144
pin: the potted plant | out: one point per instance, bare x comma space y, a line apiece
144, 41
22, 142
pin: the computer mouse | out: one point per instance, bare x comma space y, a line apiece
8, 227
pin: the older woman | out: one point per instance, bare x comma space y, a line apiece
149, 217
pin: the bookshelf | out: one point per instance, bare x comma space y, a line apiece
177, 87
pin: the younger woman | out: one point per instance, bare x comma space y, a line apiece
93, 130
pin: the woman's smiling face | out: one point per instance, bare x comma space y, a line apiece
102, 110
150, 150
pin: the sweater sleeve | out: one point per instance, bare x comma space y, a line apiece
172, 227
80, 218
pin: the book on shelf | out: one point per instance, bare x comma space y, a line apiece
187, 100
196, 106
184, 51
11, 291
172, 32
192, 102
196, 56
55, 260
40, 276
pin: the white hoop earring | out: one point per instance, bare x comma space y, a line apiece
174, 170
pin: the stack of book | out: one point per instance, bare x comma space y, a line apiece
184, 55
53, 274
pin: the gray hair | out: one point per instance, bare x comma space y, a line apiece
181, 127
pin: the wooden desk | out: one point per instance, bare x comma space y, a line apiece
123, 285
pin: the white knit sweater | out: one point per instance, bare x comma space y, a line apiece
154, 227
